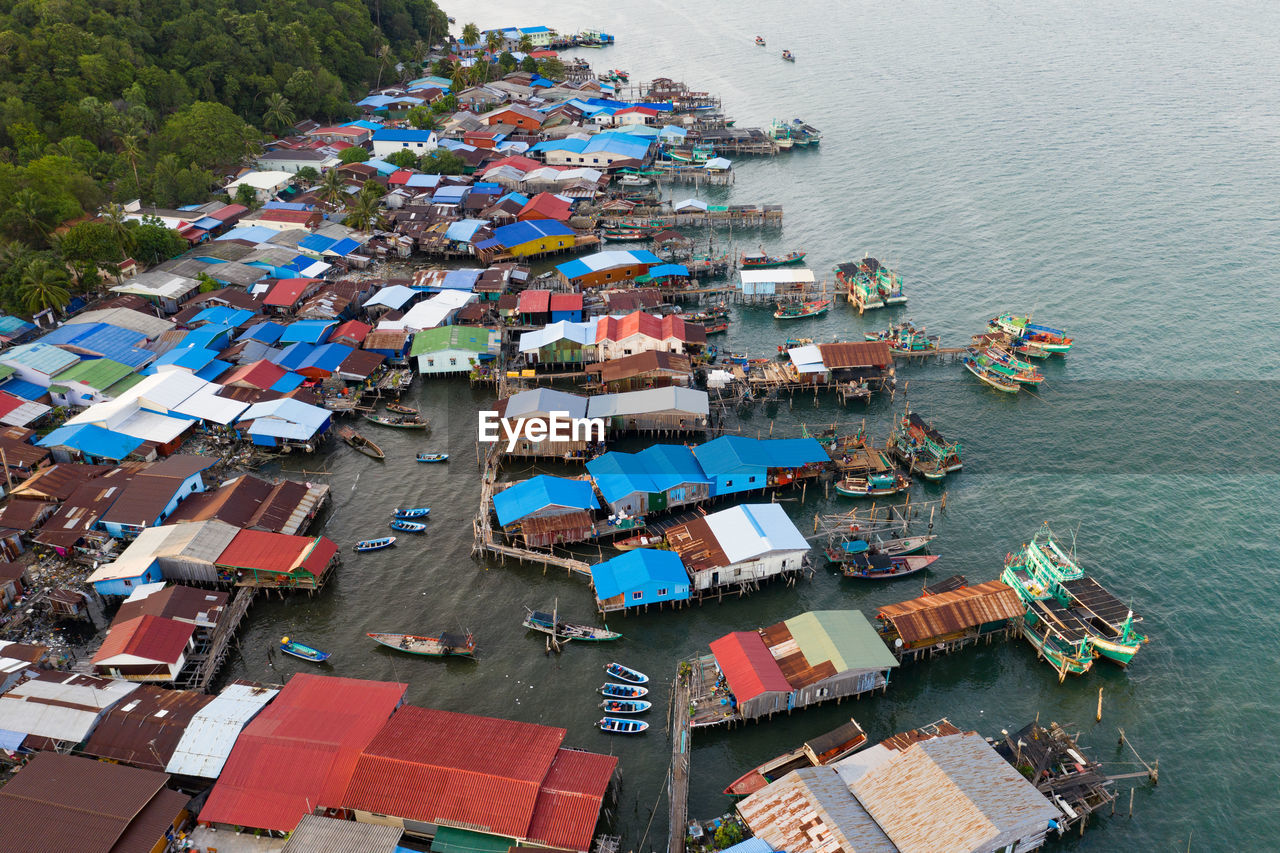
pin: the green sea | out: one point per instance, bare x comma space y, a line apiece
1113, 168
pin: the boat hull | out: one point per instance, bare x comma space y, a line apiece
902, 566
620, 726
374, 544
623, 691
625, 706
423, 646
626, 673
301, 652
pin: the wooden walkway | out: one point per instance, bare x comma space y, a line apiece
678, 777
220, 643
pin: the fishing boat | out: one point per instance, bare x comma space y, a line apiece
644, 540
873, 485
359, 442
626, 673
870, 284
704, 315
375, 544
759, 41
550, 623
905, 339
620, 726
762, 261
625, 706
399, 421
787, 56
634, 181
1058, 635
820, 751
881, 567
401, 410
742, 360
298, 650
890, 547
988, 375
792, 343
416, 512
804, 133
1045, 337
446, 645
433, 457
623, 691
409, 526
923, 449
619, 235
1019, 370
802, 310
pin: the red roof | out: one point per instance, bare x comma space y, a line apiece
352, 330
399, 176
638, 322
748, 665
568, 805
288, 291
229, 212
9, 402
299, 217
534, 302
150, 637
546, 206
524, 164
276, 552
337, 131
461, 769
543, 54
649, 111
260, 374
337, 145
298, 754
566, 302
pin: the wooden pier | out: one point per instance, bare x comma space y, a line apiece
208, 660
681, 743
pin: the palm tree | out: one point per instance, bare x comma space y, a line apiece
419, 52
384, 51
114, 217
525, 45
131, 150
471, 34
459, 79
493, 41
364, 212
332, 189
278, 114
43, 286
26, 206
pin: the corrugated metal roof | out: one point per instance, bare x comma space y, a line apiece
61, 706
838, 356
750, 531
299, 753
843, 637
210, 736
952, 793
948, 612
641, 363
812, 810
542, 492
269, 552
747, 665
672, 398
148, 638
544, 401
317, 834
145, 729
199, 540
466, 770
568, 804
632, 569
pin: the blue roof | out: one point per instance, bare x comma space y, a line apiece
485, 187
93, 440
10, 325
521, 199
664, 270
617, 143
423, 181
363, 123
307, 331
464, 229
634, 569
383, 167
286, 205
267, 333
208, 223
206, 336
39, 356
403, 135
221, 315
531, 30
192, 358
250, 233
343, 247
316, 243
574, 145
733, 453
530, 496
288, 382
451, 193
375, 101
24, 389
654, 469
213, 370
460, 279
755, 844
327, 357
292, 356
523, 232
488, 244
109, 341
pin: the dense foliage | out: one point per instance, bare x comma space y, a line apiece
110, 100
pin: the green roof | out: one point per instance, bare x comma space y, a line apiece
124, 384
58, 389
98, 373
451, 840
450, 337
6, 371
844, 637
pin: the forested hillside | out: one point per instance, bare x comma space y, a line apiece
109, 100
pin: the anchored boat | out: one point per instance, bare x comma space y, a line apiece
923, 449
644, 540
298, 650
626, 673
375, 544
433, 457
882, 567
445, 645
1018, 370
401, 410
620, 726
399, 421
759, 41
905, 339
891, 547
988, 375
801, 310
870, 284
1046, 338
625, 706
359, 442
787, 56
873, 485
550, 623
762, 261
623, 691
818, 752
408, 526
417, 512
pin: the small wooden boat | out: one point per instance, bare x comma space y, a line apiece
445, 645
888, 547
625, 706
626, 673
791, 344
763, 261
873, 485
644, 540
759, 41
987, 375
359, 442
375, 544
623, 691
620, 726
408, 526
1046, 337
881, 567
417, 512
905, 339
802, 310
788, 56
621, 235
550, 623
433, 457
401, 410
821, 751
399, 421
298, 650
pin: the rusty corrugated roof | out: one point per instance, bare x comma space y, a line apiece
145, 728
697, 545
812, 810
568, 805
640, 364
841, 356
949, 612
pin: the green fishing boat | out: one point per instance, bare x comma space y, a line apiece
1057, 635
923, 449
1046, 338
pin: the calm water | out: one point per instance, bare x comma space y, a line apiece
1114, 169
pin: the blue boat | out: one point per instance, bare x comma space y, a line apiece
625, 706
375, 544
298, 650
408, 526
420, 512
626, 673
618, 725
623, 691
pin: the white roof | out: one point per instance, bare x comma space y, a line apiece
752, 530
197, 540
581, 173
26, 707
150, 426
582, 333
432, 312
393, 296
807, 359
608, 260
648, 401
144, 590
261, 180
690, 204
209, 737
206, 405
158, 284
544, 173
776, 276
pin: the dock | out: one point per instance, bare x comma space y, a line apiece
209, 658
678, 776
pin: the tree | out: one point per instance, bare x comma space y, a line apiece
373, 188
332, 189
493, 41
442, 161
383, 52
443, 68
131, 150
470, 34
208, 283
529, 65
278, 115
419, 53
44, 285
307, 175
154, 243
364, 212
404, 158
422, 118
208, 135
246, 196
727, 835
526, 44
551, 68
90, 246
354, 154
507, 63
